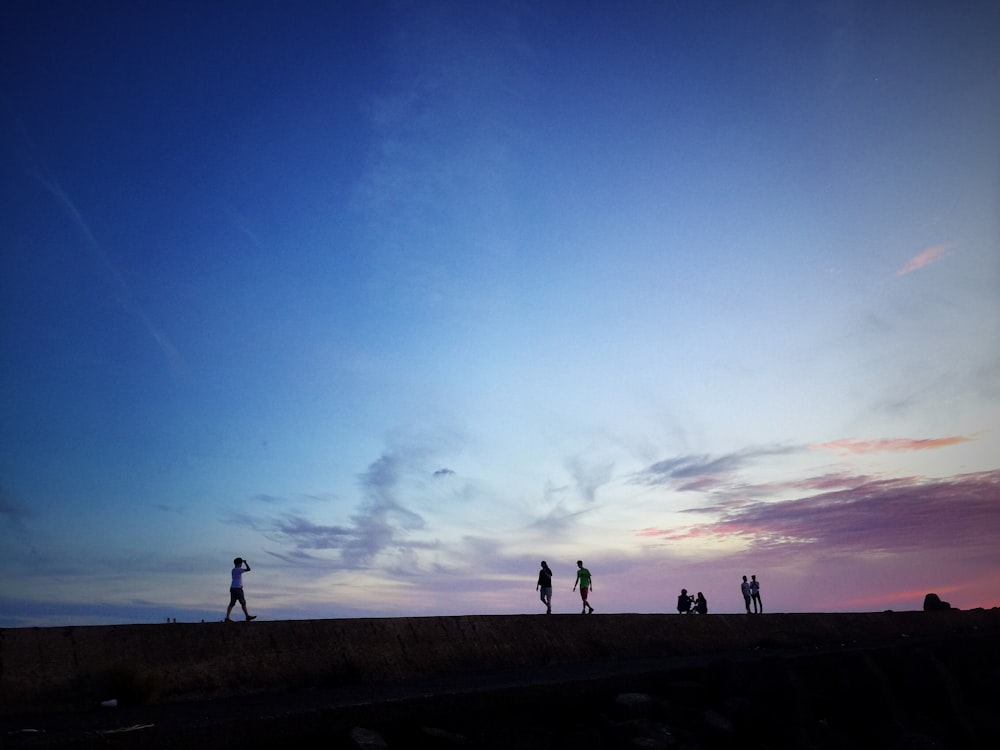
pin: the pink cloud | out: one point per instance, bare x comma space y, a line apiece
674, 535
893, 516
829, 482
930, 255
652, 531
848, 446
865, 545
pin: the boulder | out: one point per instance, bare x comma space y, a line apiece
933, 603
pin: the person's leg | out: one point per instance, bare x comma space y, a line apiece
233, 598
243, 604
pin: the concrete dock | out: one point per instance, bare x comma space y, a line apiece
69, 668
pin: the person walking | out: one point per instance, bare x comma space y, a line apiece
545, 586
745, 588
586, 584
758, 605
240, 566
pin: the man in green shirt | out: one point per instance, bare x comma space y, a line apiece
586, 583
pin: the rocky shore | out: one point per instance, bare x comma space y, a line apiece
904, 680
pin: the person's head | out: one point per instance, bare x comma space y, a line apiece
754, 577
579, 563
701, 595
684, 592
238, 562
744, 578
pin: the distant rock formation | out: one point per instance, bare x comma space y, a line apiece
933, 603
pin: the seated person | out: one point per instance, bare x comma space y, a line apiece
701, 604
684, 602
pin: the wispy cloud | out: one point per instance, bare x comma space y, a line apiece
932, 254
701, 469
589, 476
557, 515
309, 535
11, 511
889, 515
34, 166
850, 446
382, 525
13, 517
444, 131
124, 293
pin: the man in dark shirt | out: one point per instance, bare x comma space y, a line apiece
545, 586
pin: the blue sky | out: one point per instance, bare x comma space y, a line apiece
398, 299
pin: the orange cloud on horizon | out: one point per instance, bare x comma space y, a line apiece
848, 446
930, 255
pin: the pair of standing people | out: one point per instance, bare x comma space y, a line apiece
751, 594
583, 579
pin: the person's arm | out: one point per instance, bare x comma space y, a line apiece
577, 580
246, 565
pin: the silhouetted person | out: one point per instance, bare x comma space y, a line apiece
545, 586
240, 566
758, 606
745, 588
683, 602
586, 583
701, 604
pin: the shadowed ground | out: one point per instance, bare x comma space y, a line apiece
207, 683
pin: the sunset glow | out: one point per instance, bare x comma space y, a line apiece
396, 300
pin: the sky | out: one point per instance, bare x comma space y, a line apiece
397, 299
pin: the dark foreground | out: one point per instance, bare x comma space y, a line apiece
916, 680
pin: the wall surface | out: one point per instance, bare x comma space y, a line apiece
61, 669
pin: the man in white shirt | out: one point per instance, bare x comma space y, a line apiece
236, 589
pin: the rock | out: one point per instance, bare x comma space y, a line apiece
444, 738
917, 741
367, 739
716, 723
642, 733
633, 705
933, 603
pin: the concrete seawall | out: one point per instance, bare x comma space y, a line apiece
69, 668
